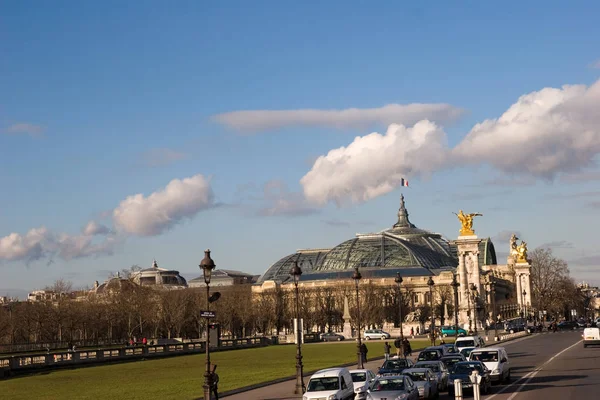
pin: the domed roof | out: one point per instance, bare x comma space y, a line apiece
403, 248
159, 277
115, 284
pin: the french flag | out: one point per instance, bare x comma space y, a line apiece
404, 182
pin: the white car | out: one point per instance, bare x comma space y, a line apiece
376, 334
469, 341
591, 337
496, 360
331, 383
361, 378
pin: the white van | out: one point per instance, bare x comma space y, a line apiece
468, 341
496, 360
331, 383
591, 337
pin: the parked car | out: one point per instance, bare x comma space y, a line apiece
329, 384
515, 327
375, 334
463, 371
395, 366
331, 337
451, 331
439, 370
496, 360
361, 378
425, 381
393, 387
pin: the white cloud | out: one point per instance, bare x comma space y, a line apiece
161, 157
25, 128
374, 164
544, 133
94, 228
405, 114
161, 210
595, 64
41, 243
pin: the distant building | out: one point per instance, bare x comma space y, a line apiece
44, 295
159, 278
225, 277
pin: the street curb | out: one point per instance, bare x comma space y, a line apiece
292, 377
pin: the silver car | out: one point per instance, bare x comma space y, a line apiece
361, 379
425, 381
439, 370
393, 387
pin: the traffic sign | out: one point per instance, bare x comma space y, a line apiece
207, 314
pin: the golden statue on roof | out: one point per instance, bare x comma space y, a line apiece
522, 253
466, 221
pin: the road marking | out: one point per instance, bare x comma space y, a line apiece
528, 377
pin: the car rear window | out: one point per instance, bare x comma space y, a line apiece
485, 356
465, 343
359, 376
323, 384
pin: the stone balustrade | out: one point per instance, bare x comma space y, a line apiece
515, 335
10, 365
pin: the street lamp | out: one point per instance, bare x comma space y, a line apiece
474, 291
430, 283
493, 294
455, 286
207, 265
398, 281
524, 305
357, 277
295, 272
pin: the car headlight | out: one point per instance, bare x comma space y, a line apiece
304, 398
496, 371
403, 396
332, 397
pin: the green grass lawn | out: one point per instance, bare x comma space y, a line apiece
181, 377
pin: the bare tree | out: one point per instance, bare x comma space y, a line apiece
548, 276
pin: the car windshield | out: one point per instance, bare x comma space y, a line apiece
359, 376
451, 361
383, 385
433, 367
429, 355
323, 384
485, 356
467, 368
450, 348
395, 364
465, 343
418, 376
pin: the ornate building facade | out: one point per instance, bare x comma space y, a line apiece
485, 288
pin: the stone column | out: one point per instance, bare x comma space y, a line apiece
519, 288
462, 278
527, 283
476, 277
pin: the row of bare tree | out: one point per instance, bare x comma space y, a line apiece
137, 311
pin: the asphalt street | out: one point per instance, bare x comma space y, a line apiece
543, 366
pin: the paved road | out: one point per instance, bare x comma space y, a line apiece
533, 375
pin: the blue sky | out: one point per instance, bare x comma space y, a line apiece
100, 102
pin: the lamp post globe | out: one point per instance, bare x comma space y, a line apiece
356, 276
295, 273
398, 281
207, 265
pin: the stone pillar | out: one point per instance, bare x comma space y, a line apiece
476, 273
519, 288
468, 251
462, 278
347, 331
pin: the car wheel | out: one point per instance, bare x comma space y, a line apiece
512, 331
367, 337
445, 335
339, 339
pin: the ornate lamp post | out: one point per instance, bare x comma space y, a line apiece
455, 286
524, 305
474, 294
398, 281
295, 272
357, 277
430, 283
207, 265
493, 294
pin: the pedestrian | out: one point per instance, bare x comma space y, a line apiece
417, 331
407, 350
144, 341
386, 350
363, 352
215, 382
398, 345
412, 331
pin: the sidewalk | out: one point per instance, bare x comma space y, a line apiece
285, 390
